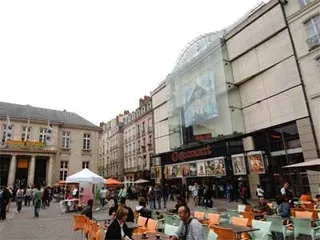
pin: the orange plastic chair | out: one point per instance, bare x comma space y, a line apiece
223, 233
142, 226
78, 224
199, 215
304, 214
249, 216
213, 219
100, 234
151, 226
93, 230
239, 221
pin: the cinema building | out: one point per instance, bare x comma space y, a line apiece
238, 110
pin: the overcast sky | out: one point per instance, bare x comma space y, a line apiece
97, 58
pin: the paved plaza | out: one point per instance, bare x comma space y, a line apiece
53, 224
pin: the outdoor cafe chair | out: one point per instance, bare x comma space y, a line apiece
199, 215
239, 221
170, 229
264, 232
223, 233
151, 226
78, 224
93, 230
250, 216
278, 227
213, 219
142, 226
302, 226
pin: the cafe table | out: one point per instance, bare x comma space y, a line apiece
151, 236
237, 230
103, 218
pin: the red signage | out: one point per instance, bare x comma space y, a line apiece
202, 137
185, 155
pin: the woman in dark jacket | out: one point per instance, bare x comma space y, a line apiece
118, 228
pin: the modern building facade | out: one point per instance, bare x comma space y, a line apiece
111, 156
303, 21
242, 102
161, 128
44, 145
138, 141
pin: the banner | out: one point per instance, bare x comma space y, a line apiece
173, 171
158, 174
200, 169
238, 164
178, 171
166, 171
256, 163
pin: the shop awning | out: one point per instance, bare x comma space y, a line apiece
308, 165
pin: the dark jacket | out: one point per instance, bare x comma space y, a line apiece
130, 217
87, 211
114, 231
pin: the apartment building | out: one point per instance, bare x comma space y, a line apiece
138, 141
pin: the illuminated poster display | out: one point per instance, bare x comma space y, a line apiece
193, 169
185, 170
200, 169
200, 102
219, 168
238, 164
256, 164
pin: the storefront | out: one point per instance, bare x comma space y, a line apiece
219, 161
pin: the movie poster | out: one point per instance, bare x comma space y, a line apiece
219, 166
178, 171
209, 166
193, 169
173, 171
200, 169
185, 170
158, 172
239, 164
256, 163
166, 171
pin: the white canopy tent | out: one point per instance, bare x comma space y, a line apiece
85, 175
141, 181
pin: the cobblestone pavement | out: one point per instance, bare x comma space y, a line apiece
53, 225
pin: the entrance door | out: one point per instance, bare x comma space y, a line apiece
22, 171
40, 177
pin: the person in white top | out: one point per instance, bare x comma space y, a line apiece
260, 192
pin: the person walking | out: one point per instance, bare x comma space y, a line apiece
165, 195
260, 192
195, 191
37, 196
151, 197
244, 193
158, 196
228, 191
19, 199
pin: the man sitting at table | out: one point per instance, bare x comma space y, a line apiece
262, 208
87, 210
189, 228
142, 210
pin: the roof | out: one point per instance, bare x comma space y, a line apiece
27, 111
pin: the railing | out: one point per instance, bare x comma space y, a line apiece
313, 41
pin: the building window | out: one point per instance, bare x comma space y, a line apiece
313, 30
25, 133
304, 3
66, 139
85, 164
86, 141
63, 170
43, 135
4, 127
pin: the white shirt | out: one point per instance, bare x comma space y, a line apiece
283, 191
260, 192
122, 232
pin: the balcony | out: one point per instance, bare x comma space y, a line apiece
313, 41
138, 150
143, 132
130, 169
149, 129
143, 148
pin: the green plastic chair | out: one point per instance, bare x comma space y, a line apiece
303, 226
264, 233
212, 235
170, 229
278, 227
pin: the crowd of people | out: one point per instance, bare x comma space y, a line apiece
38, 197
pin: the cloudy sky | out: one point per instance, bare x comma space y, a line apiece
97, 58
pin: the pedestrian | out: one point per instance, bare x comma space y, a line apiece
37, 201
8, 195
259, 192
158, 196
228, 191
19, 199
195, 190
244, 193
102, 197
122, 194
165, 195
87, 210
189, 228
3, 204
151, 197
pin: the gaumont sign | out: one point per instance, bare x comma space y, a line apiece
191, 154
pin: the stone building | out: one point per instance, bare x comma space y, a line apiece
44, 145
138, 141
111, 155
